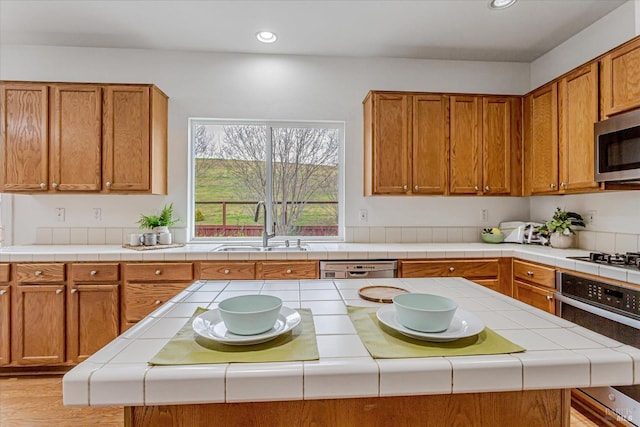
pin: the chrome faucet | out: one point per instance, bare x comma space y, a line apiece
265, 235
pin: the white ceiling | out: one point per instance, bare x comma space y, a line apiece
436, 29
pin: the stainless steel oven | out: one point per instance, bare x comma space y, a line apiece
610, 310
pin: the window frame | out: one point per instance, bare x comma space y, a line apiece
193, 121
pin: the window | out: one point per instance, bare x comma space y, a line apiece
294, 168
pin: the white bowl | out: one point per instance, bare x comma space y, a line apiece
250, 314
424, 312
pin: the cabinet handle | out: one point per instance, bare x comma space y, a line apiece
529, 273
226, 271
476, 188
487, 188
158, 272
2, 292
74, 290
54, 185
108, 184
563, 184
405, 188
289, 271
43, 185
93, 272
549, 297
58, 291
452, 269
417, 187
158, 302
552, 186
38, 273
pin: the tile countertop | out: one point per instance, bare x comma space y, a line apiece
559, 354
320, 251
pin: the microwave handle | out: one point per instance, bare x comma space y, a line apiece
598, 311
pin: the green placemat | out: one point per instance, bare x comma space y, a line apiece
385, 343
188, 348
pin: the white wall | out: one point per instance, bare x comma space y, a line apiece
261, 87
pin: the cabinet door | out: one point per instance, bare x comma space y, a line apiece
5, 324
430, 144
76, 138
536, 296
390, 151
496, 145
93, 318
465, 174
24, 137
578, 103
126, 139
541, 140
469, 269
38, 325
140, 299
535, 274
620, 75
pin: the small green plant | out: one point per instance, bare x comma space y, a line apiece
165, 219
562, 222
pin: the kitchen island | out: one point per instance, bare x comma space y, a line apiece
346, 386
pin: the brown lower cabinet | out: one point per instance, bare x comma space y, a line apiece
224, 270
93, 308
287, 270
534, 284
493, 273
149, 285
5, 314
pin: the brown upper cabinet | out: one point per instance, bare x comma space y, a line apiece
485, 145
558, 145
406, 143
59, 137
422, 143
619, 81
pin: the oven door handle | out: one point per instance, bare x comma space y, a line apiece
615, 317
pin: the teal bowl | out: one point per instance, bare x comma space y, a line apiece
492, 238
250, 314
424, 312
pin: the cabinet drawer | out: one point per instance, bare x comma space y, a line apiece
140, 299
5, 275
540, 297
95, 272
159, 272
288, 270
534, 273
40, 273
227, 270
469, 269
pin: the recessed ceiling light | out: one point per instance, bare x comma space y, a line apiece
266, 36
501, 4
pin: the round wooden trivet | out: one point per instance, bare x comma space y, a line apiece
380, 293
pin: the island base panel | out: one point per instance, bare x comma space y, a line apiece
528, 408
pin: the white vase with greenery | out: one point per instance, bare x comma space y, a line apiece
560, 228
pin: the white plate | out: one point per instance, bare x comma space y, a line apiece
210, 325
463, 325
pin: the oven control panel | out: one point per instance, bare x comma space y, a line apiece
623, 299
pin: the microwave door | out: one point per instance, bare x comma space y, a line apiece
617, 148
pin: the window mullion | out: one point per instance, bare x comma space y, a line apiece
269, 180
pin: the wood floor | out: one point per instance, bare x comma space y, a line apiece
37, 402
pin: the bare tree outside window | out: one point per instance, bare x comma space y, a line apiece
230, 174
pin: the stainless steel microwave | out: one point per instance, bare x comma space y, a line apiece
617, 148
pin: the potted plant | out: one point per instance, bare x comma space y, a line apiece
159, 223
560, 228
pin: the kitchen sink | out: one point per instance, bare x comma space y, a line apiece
253, 248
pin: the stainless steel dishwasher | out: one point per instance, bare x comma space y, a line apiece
368, 269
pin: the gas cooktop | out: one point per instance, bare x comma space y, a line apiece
630, 260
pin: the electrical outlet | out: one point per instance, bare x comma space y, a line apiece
364, 215
60, 214
97, 214
485, 215
591, 217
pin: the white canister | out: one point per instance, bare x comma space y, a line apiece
134, 239
164, 238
